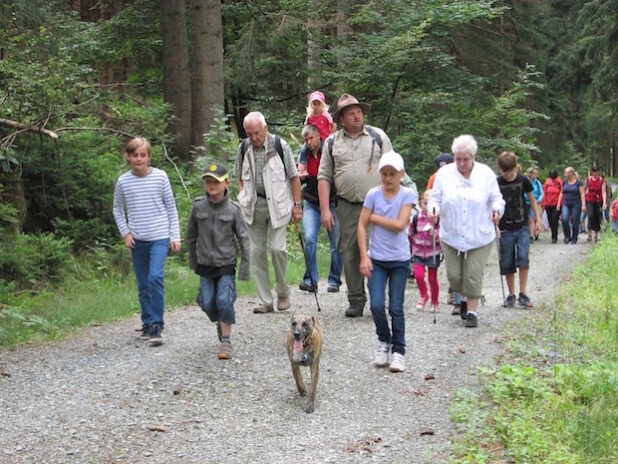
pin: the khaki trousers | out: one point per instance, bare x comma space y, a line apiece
264, 238
348, 215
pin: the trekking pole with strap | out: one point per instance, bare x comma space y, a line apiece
499, 270
433, 251
314, 285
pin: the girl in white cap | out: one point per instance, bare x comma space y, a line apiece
387, 208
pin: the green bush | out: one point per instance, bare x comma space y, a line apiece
32, 261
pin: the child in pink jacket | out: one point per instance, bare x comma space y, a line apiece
425, 254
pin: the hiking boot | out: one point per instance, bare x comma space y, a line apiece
284, 303
333, 288
311, 288
354, 311
463, 310
524, 301
263, 309
219, 330
398, 362
471, 320
156, 339
225, 350
422, 302
510, 301
380, 357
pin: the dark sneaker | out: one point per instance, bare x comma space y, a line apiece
524, 301
311, 288
554, 240
574, 241
510, 301
145, 333
333, 288
566, 240
354, 311
156, 338
262, 309
463, 310
472, 320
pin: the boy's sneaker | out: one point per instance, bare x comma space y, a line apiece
398, 362
524, 301
225, 350
155, 335
380, 358
510, 301
145, 333
471, 320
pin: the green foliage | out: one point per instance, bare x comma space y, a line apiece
562, 411
33, 261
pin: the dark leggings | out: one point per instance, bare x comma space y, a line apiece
553, 214
594, 216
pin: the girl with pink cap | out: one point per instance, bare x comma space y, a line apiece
318, 116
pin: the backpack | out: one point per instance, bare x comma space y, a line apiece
245, 144
377, 140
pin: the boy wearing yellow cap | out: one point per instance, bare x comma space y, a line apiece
216, 233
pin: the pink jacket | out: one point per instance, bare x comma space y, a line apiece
421, 242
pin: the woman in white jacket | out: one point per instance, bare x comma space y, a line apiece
468, 201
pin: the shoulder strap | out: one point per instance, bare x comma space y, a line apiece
376, 137
245, 144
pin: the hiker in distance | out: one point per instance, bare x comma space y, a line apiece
468, 201
350, 161
268, 195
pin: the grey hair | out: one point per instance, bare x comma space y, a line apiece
254, 116
465, 143
309, 129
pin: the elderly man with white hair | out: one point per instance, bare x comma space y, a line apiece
468, 201
268, 195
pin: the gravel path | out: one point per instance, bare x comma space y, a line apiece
94, 398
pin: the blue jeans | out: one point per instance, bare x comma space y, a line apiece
149, 266
216, 298
311, 227
573, 213
396, 272
514, 250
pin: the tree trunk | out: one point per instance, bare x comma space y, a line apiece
206, 66
314, 32
176, 78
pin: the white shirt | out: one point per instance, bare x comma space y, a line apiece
465, 206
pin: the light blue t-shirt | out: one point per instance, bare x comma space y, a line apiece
386, 245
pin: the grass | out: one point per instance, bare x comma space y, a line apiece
554, 398
98, 291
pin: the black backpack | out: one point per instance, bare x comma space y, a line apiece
245, 144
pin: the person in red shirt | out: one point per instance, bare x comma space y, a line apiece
596, 201
551, 194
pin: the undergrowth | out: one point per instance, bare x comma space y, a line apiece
555, 397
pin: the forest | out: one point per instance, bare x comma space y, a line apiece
78, 78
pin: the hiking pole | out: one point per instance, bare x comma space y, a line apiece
433, 251
499, 270
314, 285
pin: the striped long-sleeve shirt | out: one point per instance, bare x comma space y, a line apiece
150, 205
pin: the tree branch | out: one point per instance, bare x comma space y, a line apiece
167, 157
104, 129
29, 128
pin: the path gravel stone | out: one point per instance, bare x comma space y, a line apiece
102, 396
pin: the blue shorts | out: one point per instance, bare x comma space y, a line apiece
427, 262
514, 250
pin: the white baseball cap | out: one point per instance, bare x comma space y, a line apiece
392, 158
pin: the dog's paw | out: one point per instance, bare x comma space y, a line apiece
302, 392
309, 407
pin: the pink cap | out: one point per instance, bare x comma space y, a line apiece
317, 95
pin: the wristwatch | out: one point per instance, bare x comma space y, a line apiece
298, 203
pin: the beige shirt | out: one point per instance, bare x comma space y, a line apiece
349, 167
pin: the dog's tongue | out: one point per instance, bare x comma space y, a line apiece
298, 345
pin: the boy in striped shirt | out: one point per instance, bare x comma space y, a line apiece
152, 225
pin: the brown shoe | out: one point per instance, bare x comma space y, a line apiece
283, 303
261, 309
225, 350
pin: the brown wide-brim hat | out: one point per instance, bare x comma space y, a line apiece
346, 100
